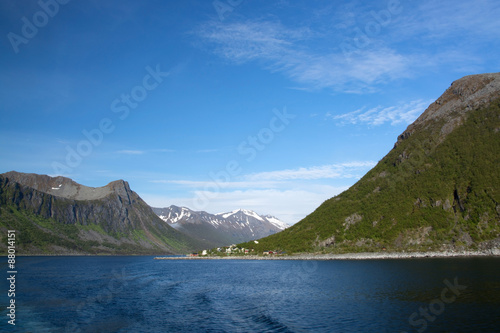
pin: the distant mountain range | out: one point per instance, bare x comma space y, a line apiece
55, 215
221, 229
437, 189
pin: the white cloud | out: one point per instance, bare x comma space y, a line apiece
206, 151
333, 171
162, 150
244, 41
285, 50
449, 18
403, 113
288, 205
221, 184
130, 152
280, 178
141, 152
449, 33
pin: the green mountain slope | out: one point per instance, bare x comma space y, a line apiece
438, 189
54, 215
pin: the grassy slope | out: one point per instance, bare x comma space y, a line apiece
38, 235
147, 234
422, 195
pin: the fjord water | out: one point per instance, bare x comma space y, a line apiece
140, 294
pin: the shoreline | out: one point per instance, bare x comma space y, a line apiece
302, 256
350, 256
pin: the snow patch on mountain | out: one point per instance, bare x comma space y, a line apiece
242, 213
276, 222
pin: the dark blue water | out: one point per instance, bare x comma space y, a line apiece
139, 294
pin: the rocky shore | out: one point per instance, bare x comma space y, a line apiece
348, 256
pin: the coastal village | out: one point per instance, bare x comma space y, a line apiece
232, 249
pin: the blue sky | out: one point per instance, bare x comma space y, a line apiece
273, 106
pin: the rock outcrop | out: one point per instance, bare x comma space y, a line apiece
465, 94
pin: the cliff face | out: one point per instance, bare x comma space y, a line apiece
437, 189
115, 207
118, 213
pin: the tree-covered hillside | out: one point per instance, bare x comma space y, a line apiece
439, 188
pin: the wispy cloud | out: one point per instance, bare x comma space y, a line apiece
333, 171
142, 152
162, 150
130, 152
403, 113
285, 50
449, 18
199, 184
244, 41
374, 59
281, 178
206, 151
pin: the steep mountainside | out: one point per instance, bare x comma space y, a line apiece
220, 229
57, 215
438, 188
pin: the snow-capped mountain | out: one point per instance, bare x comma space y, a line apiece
221, 229
173, 214
243, 215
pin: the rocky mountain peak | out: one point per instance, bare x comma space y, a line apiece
465, 94
67, 188
122, 189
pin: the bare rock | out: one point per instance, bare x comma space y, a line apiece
447, 205
327, 242
465, 94
351, 220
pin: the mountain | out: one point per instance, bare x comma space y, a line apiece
258, 222
437, 189
221, 229
55, 215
